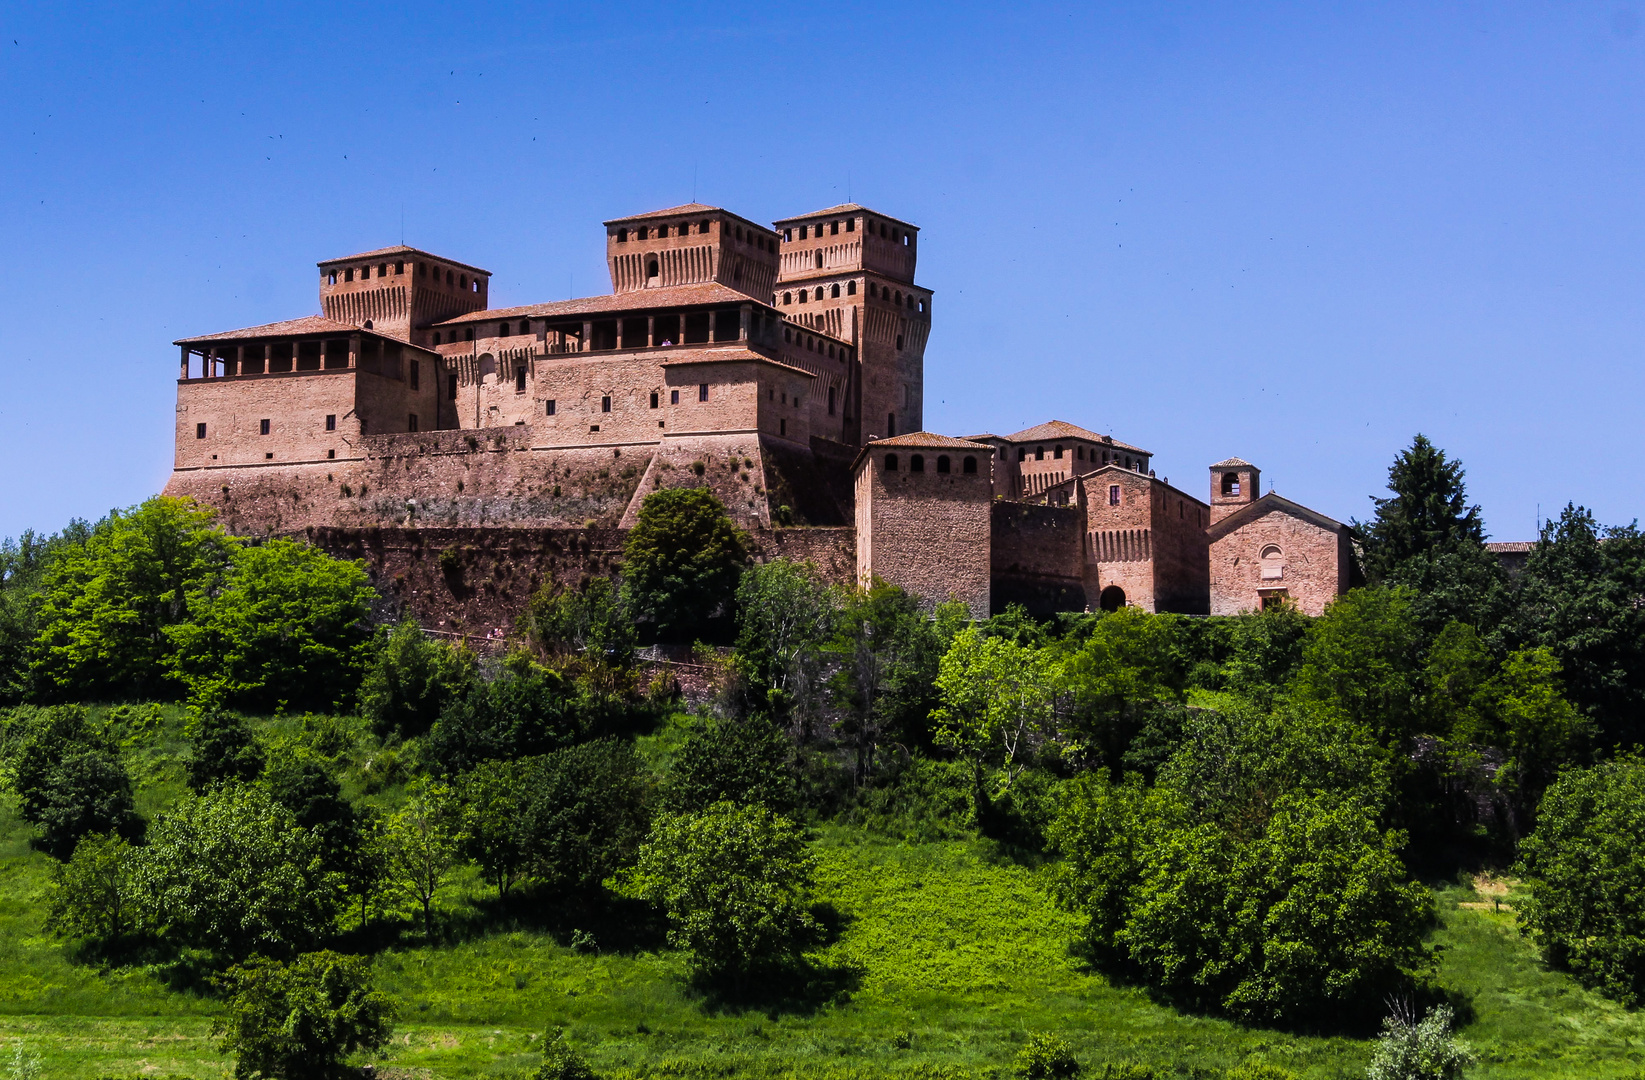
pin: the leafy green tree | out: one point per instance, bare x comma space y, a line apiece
106, 603
1363, 661
1539, 729
23, 563
493, 799
681, 562
735, 883
307, 788
1580, 597
998, 703
232, 872
289, 625
1109, 684
589, 810
525, 710
1585, 869
886, 654
1427, 538
785, 617
94, 895
69, 780
591, 620
1103, 833
225, 749
411, 681
300, 1021
422, 846
1265, 650
749, 762
1457, 670
1425, 1049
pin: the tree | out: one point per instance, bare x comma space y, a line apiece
107, 601
735, 883
422, 847
411, 681
299, 1021
69, 780
1426, 537
591, 620
493, 798
887, 653
225, 749
525, 710
681, 562
1412, 1049
589, 808
94, 895
1581, 596
997, 704
232, 872
1585, 869
288, 626
1362, 661
785, 616
1108, 685
1538, 728
561, 1061
306, 787
750, 762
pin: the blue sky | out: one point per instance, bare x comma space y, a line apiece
1298, 233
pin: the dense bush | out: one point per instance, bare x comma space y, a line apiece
525, 710
750, 762
69, 779
1585, 871
300, 1021
224, 750
411, 681
94, 895
592, 621
1046, 1057
735, 883
681, 562
1425, 1049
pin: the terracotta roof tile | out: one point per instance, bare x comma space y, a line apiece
708, 292
927, 438
312, 324
688, 208
1061, 429
845, 208
401, 249
1233, 463
690, 354
1505, 547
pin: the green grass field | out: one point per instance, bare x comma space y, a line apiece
946, 959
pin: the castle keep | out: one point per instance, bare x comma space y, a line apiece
781, 366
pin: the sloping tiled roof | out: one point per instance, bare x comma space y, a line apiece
845, 208
927, 438
312, 324
1271, 502
707, 292
1061, 429
401, 249
688, 208
1233, 463
1509, 547
692, 354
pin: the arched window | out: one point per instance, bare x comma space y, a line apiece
897, 299
640, 233
368, 324
922, 307
851, 288
802, 296
891, 463
833, 228
1230, 483
739, 232
502, 329
895, 236
462, 282
1022, 453
819, 260
422, 270
382, 271
475, 287
916, 463
942, 463
1272, 552
1058, 453
1039, 453
399, 268
652, 271
970, 466
451, 279
702, 227
850, 224
834, 291
622, 236
436, 337
788, 298
332, 279
788, 335
803, 232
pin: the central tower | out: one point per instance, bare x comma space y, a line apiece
848, 271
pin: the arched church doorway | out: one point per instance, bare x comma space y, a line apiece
1112, 598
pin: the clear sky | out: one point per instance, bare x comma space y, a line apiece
1297, 233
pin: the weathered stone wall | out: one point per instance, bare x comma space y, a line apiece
1121, 533
1182, 578
927, 532
1038, 557
1313, 564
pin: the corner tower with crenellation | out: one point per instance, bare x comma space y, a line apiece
848, 272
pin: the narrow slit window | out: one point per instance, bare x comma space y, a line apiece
605, 404
702, 392
550, 404
199, 431
519, 379
262, 427
331, 421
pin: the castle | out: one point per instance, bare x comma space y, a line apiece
781, 367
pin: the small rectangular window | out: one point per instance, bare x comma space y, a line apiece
262, 427
269, 456
850, 224
416, 372
519, 379
673, 397
550, 406
702, 392
1113, 494
653, 400
331, 421
199, 431
605, 404
830, 401
451, 386
331, 453
411, 422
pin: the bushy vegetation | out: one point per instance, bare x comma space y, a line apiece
1215, 823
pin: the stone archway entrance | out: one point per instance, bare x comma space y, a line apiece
1112, 598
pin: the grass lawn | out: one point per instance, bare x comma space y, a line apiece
945, 960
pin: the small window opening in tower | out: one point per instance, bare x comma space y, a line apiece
415, 373
891, 463
702, 227
462, 282
641, 233
851, 288
468, 335
399, 268
348, 275
819, 260
834, 291
331, 279
451, 279
622, 236
830, 401
942, 463
890, 425
739, 232
802, 296
200, 431
502, 329
1058, 453
1113, 494
906, 238
451, 391
368, 324
970, 467
411, 422
702, 391
519, 379
788, 235
850, 224
1039, 453
475, 287
1230, 483
788, 298
652, 271
916, 463
605, 404
653, 399
382, 271
262, 427
1022, 453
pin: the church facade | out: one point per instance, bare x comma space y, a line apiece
781, 366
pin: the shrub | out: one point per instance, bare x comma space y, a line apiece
224, 749
94, 894
411, 680
289, 625
681, 562
1585, 865
748, 762
735, 883
526, 710
1046, 1057
561, 1061
69, 780
1410, 1049
300, 1021
592, 620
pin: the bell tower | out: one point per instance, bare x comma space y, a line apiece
1234, 484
